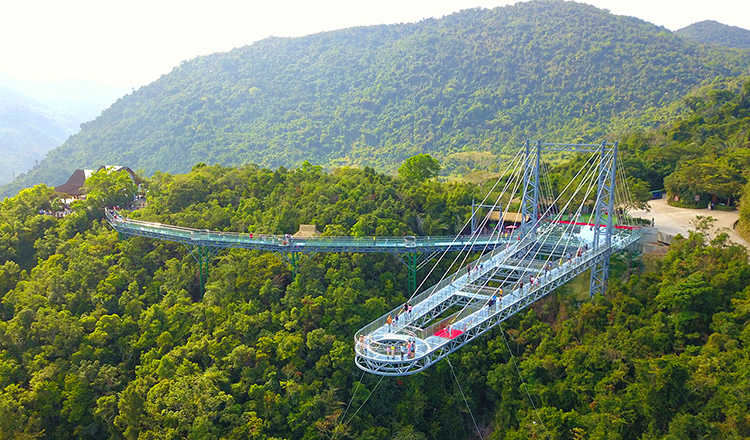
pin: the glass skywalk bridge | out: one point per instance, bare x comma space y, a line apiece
434, 330
276, 243
545, 252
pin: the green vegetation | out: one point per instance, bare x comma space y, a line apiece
704, 152
108, 187
101, 338
713, 32
461, 88
419, 168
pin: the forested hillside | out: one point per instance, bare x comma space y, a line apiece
28, 130
101, 338
713, 32
461, 88
704, 152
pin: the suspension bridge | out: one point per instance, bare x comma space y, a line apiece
557, 241
562, 234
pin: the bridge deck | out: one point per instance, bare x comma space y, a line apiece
270, 242
439, 339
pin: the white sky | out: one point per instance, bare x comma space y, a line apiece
132, 43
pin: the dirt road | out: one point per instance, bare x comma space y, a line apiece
673, 221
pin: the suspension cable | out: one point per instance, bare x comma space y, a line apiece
570, 226
525, 385
479, 433
363, 403
511, 163
566, 228
341, 419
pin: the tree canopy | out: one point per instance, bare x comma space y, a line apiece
419, 168
110, 187
713, 32
109, 338
703, 152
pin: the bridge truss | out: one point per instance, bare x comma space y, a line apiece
563, 234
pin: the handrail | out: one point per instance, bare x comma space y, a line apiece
240, 237
520, 294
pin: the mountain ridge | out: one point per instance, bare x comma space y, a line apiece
713, 32
28, 130
474, 81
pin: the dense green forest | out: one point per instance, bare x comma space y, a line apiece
109, 338
463, 88
704, 152
713, 32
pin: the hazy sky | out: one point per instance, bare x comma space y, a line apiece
132, 43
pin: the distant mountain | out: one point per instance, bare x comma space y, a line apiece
713, 32
28, 130
468, 84
81, 99
37, 116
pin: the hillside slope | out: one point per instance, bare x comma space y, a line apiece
83, 100
28, 130
713, 32
477, 80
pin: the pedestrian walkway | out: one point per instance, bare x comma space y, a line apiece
437, 336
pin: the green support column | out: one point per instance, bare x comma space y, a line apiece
203, 256
293, 259
412, 263
203, 259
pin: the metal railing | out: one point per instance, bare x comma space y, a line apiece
425, 301
410, 241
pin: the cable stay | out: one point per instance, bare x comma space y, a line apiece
562, 234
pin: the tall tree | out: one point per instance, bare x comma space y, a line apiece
419, 168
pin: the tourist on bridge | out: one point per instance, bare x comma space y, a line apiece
389, 321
